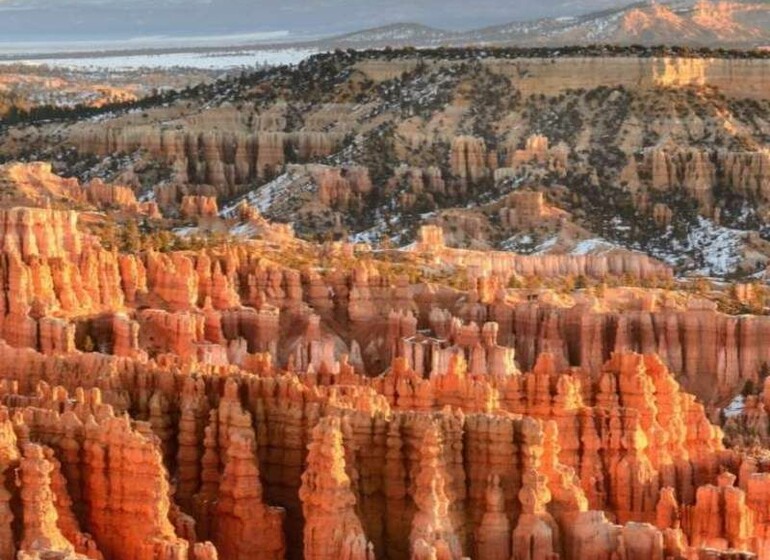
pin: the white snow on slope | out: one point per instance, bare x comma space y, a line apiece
264, 197
716, 249
593, 246
546, 245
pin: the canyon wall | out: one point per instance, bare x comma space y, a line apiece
35, 184
701, 172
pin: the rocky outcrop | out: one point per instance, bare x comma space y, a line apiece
198, 207
63, 291
435, 481
432, 533
32, 232
9, 461
270, 410
41, 530
246, 528
713, 352
35, 184
416, 184
527, 210
133, 523
468, 158
536, 534
536, 151
108, 454
341, 188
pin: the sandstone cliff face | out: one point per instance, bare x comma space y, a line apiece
130, 523
551, 77
41, 233
32, 183
536, 151
223, 159
468, 158
528, 210
712, 351
699, 173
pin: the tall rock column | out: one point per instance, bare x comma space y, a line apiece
493, 537
40, 530
536, 536
127, 493
635, 484
247, 529
333, 531
398, 505
192, 423
67, 522
9, 459
431, 525
668, 520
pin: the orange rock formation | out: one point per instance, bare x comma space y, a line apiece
218, 403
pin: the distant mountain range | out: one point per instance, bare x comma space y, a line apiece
727, 24
710, 24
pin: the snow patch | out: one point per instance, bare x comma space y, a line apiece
593, 246
264, 197
716, 250
735, 408
374, 235
546, 245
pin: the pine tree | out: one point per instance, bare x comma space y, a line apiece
132, 238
